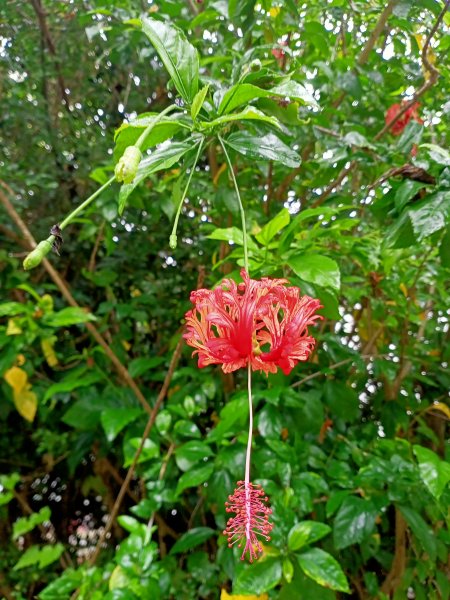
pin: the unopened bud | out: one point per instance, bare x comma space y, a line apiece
173, 241
128, 164
255, 65
35, 257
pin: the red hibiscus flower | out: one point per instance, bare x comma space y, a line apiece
410, 113
261, 323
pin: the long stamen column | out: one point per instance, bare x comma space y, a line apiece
249, 503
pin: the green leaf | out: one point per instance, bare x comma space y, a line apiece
242, 93
434, 472
259, 577
354, 521
26, 524
323, 569
139, 366
178, 56
81, 378
305, 533
288, 569
193, 451
421, 530
191, 539
41, 556
30, 557
294, 91
438, 154
163, 158
83, 414
12, 308
317, 269
149, 451
113, 420
430, 215
72, 315
49, 554
407, 190
198, 101
194, 477
274, 226
342, 400
231, 417
132, 525
267, 147
62, 586
353, 138
249, 113
228, 234
128, 133
239, 94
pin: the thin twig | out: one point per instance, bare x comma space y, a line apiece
65, 291
162, 394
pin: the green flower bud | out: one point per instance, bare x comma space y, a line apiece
173, 241
128, 164
255, 65
35, 257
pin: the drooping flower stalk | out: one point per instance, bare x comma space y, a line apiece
261, 325
249, 503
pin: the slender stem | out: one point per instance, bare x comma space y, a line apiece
148, 129
86, 203
173, 235
241, 207
248, 507
250, 428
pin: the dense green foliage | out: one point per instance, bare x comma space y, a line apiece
351, 446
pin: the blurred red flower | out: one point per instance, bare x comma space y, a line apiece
260, 322
410, 113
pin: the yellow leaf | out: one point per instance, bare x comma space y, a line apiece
20, 360
26, 404
24, 398
226, 596
13, 328
17, 378
274, 11
126, 345
404, 289
442, 407
49, 352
